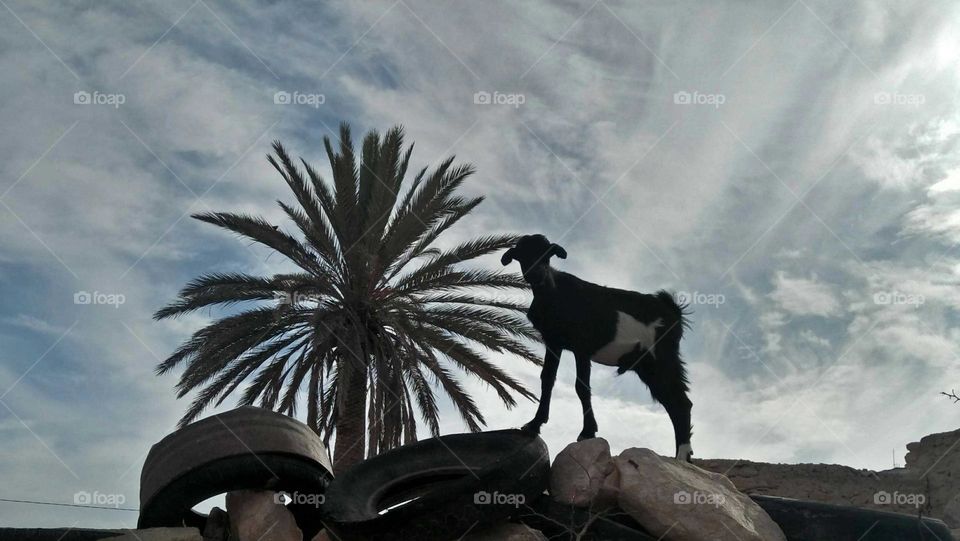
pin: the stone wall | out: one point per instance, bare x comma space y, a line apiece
929, 483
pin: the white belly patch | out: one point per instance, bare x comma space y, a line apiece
630, 332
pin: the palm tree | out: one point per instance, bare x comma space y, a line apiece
375, 318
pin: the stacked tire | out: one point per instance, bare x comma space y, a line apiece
812, 521
246, 448
441, 488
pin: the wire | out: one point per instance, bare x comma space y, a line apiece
69, 505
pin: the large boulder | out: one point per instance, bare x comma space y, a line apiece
681, 502
257, 515
583, 474
217, 527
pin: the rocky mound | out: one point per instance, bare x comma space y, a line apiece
929, 483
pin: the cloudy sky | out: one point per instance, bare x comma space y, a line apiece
792, 167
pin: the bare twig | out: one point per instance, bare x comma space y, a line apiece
578, 530
952, 395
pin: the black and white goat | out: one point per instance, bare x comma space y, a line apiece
613, 327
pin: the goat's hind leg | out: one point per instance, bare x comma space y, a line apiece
665, 378
678, 408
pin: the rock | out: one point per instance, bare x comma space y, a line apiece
681, 502
610, 489
951, 511
217, 527
159, 534
506, 531
579, 474
929, 475
256, 515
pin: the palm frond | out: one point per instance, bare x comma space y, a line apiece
261, 231
223, 289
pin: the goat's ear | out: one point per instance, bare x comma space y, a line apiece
507, 257
557, 250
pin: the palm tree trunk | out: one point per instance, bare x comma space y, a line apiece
351, 422
313, 398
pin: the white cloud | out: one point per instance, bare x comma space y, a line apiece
804, 296
31, 323
709, 205
948, 184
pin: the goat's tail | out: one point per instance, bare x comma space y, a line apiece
672, 330
680, 310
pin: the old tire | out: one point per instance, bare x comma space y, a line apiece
812, 521
56, 534
457, 483
245, 448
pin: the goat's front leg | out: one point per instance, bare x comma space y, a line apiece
548, 375
583, 392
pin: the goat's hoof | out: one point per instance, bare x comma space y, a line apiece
531, 428
586, 436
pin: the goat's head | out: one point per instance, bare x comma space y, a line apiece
533, 252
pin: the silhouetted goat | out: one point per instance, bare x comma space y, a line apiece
613, 327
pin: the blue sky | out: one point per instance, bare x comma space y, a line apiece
792, 167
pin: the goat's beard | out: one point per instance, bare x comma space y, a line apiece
540, 276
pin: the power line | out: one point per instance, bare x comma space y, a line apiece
69, 505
